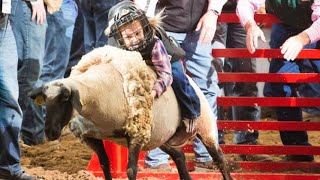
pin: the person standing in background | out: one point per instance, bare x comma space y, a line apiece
300, 28
29, 26
77, 46
10, 112
232, 35
95, 21
60, 19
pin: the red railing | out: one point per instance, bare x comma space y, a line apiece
264, 18
262, 53
268, 77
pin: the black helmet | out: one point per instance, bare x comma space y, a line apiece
126, 12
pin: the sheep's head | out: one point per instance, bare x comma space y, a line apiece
59, 99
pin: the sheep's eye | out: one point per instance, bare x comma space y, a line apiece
65, 94
65, 98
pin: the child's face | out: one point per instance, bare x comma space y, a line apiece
132, 34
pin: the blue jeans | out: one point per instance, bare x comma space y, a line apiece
310, 89
156, 157
58, 41
95, 16
30, 38
279, 34
57, 49
305, 89
198, 62
188, 99
10, 113
77, 47
232, 35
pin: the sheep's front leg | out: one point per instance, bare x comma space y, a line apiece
132, 168
216, 153
97, 146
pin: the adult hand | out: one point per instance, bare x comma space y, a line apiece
261, 10
253, 34
292, 46
38, 12
53, 5
208, 25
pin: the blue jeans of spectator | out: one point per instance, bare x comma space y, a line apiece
10, 113
189, 101
77, 47
232, 35
198, 63
310, 89
305, 89
279, 34
95, 16
58, 41
57, 49
30, 38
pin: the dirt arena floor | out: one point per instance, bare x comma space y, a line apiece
67, 158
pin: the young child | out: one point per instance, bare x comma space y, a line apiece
130, 29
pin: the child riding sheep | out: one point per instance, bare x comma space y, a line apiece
130, 29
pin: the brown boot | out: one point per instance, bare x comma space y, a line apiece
181, 137
254, 157
205, 165
160, 167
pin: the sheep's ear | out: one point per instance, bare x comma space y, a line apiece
37, 95
76, 101
70, 93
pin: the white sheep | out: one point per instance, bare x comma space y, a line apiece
110, 91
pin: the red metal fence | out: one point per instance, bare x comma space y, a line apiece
119, 155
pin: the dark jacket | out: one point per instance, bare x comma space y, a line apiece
295, 13
182, 15
230, 6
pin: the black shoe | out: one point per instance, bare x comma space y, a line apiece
21, 176
299, 158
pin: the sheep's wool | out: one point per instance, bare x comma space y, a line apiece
137, 85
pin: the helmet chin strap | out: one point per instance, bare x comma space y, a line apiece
134, 47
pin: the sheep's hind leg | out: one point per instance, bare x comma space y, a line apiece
97, 146
179, 158
217, 154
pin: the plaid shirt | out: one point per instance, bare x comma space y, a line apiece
161, 61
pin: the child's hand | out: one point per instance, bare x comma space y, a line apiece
153, 94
